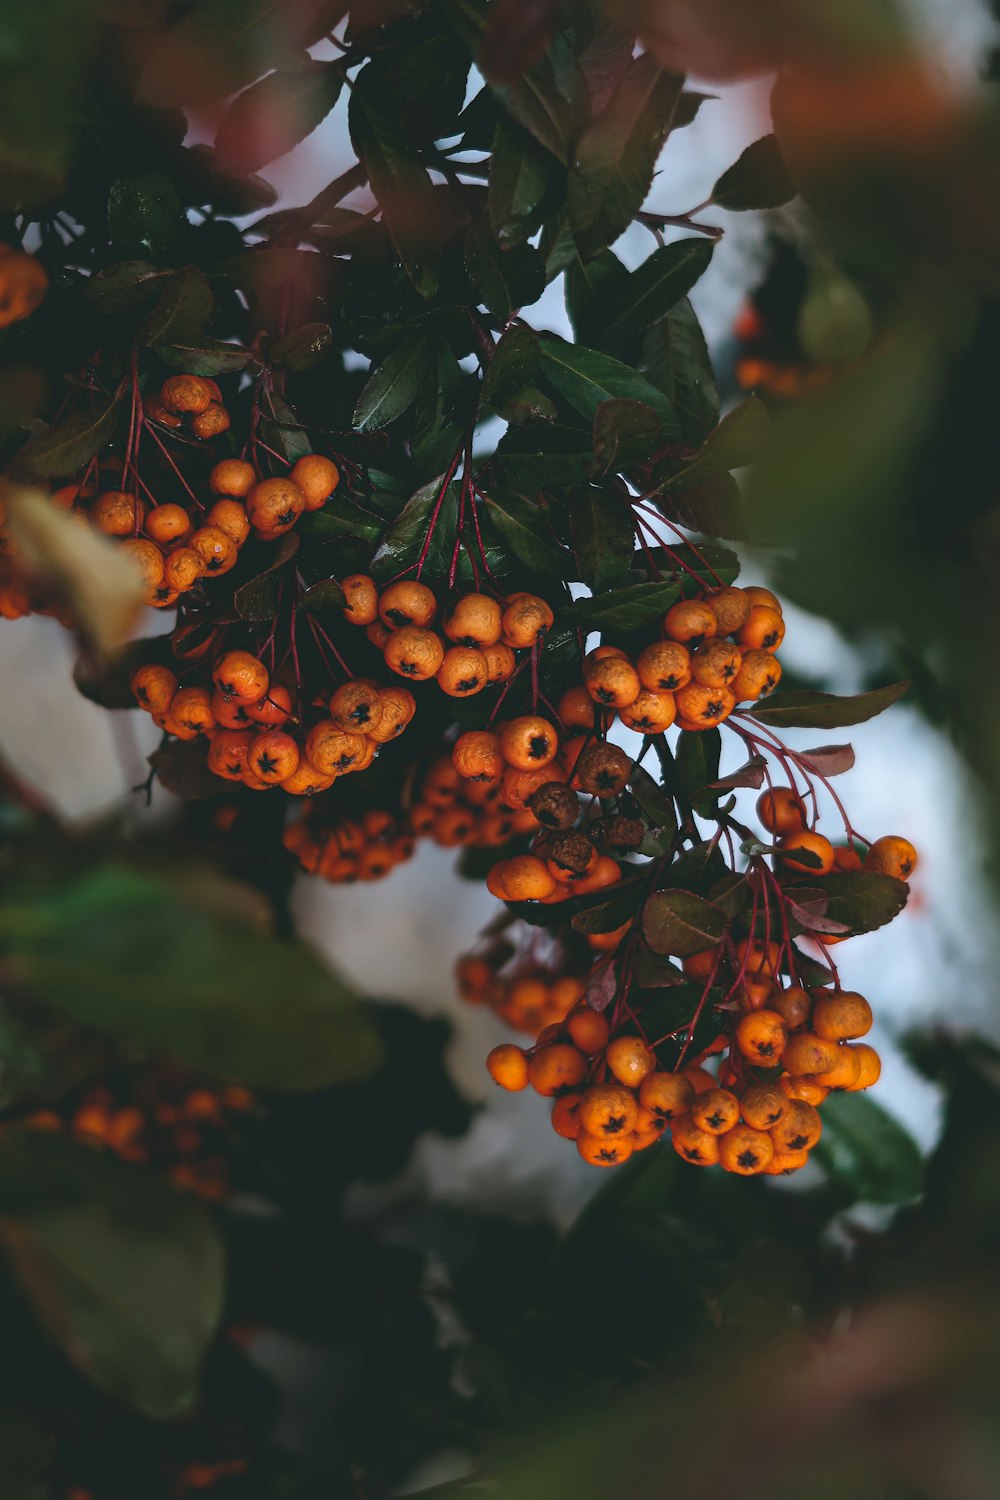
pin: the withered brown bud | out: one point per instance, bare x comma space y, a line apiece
572, 851
603, 770
616, 833
555, 805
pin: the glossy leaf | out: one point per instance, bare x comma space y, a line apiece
279, 111
260, 598
66, 447
302, 349
613, 162
403, 538
625, 433
674, 356
680, 923
393, 387
504, 280
203, 356
325, 600
808, 710
185, 306
512, 367
758, 179
586, 378
621, 609
521, 175
737, 441
862, 900
656, 287
145, 216
126, 1274
124, 287
525, 529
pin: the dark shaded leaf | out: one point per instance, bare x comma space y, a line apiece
325, 600
513, 366
868, 1153
504, 280
602, 533
107, 682
750, 775
680, 923
302, 349
675, 358
613, 162
126, 1274
66, 447
533, 456
394, 385
609, 915
185, 306
403, 538
625, 433
811, 916
400, 183
340, 521
282, 430
656, 287
715, 506
621, 609
654, 800
525, 529
228, 998
279, 111
145, 216
124, 287
758, 179
861, 900
181, 768
737, 441
697, 760
521, 175
203, 356
808, 710
586, 378
260, 597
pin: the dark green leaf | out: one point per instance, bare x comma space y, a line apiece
585, 378
66, 447
203, 356
521, 174
145, 216
602, 533
525, 529
697, 760
400, 183
654, 800
609, 915
302, 349
675, 358
283, 431
808, 710
222, 45
680, 923
438, 413
757, 180
591, 286
625, 433
549, 99
394, 385
279, 111
736, 442
621, 609
861, 900
403, 538
868, 1153
124, 287
260, 597
504, 280
225, 996
126, 1275
656, 287
325, 600
513, 366
714, 506
533, 456
613, 163
184, 308
340, 520
264, 268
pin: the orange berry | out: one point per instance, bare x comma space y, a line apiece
802, 1086
273, 709
764, 631
630, 1060
274, 506
233, 478
186, 394
784, 1163
588, 1029
799, 1128
398, 708
357, 707
818, 852
716, 663
745, 1151
317, 477
167, 523
414, 652
612, 681
229, 753
703, 707
463, 671
651, 713
406, 603
240, 675
608, 1111
231, 517
566, 1115
361, 599
845, 1072
762, 1105
759, 674
756, 595
153, 686
500, 663
116, 513
522, 878
211, 422
715, 1111
731, 608
606, 872
793, 1006
332, 750
666, 1095
760, 1036
690, 621
841, 1016
476, 756
576, 709
696, 1146
555, 1067
525, 620
604, 1152
529, 743
182, 569
805, 1052
508, 1066
664, 666
892, 855
191, 707
473, 620
869, 1067
781, 810
217, 550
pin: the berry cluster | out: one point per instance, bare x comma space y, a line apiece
353, 849
531, 981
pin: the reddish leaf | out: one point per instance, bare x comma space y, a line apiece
828, 760
751, 775
602, 985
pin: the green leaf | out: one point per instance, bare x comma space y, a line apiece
804, 709
302, 349
513, 366
185, 306
656, 287
737, 441
340, 521
439, 409
273, 116
66, 447
145, 215
504, 280
124, 287
625, 433
674, 356
549, 99
680, 923
654, 801
585, 378
521, 175
203, 356
602, 533
325, 600
126, 1275
868, 1153
621, 609
526, 531
265, 268
758, 179
715, 507
403, 538
590, 287
222, 45
226, 997
608, 915
284, 431
697, 759
534, 455
260, 597
861, 900
393, 387
400, 183
613, 163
